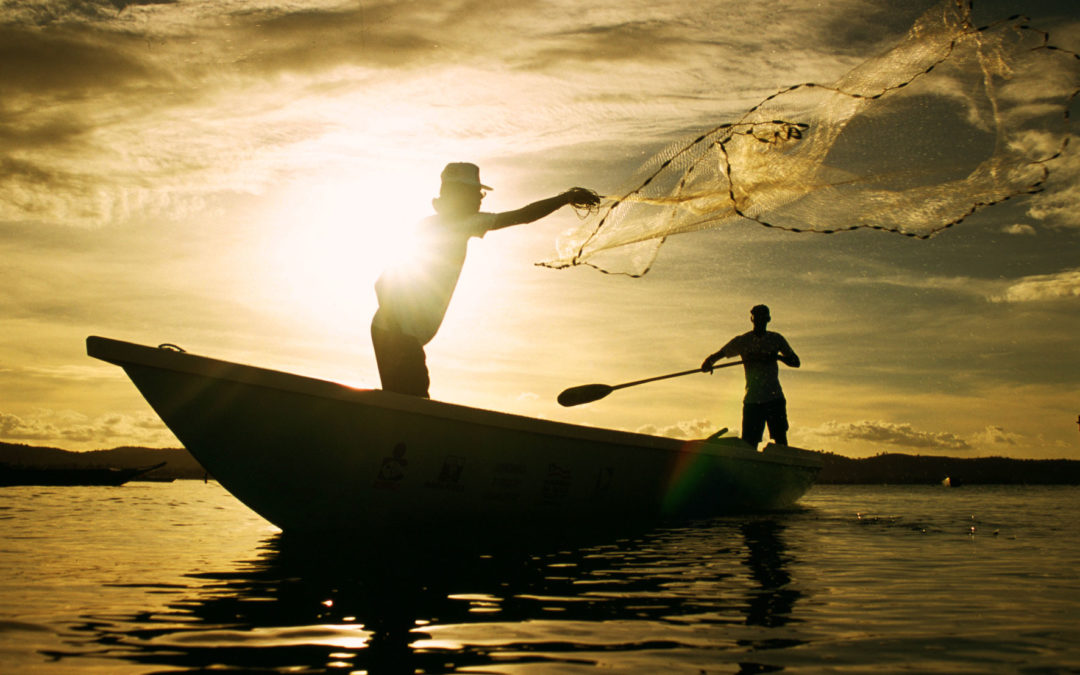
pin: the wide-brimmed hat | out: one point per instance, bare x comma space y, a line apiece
465, 173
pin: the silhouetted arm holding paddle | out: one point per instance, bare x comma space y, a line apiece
785, 355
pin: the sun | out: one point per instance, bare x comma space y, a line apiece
329, 242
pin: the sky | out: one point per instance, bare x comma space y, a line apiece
228, 176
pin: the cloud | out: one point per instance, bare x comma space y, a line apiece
69, 374
69, 428
875, 436
1063, 285
47, 12
66, 64
960, 285
107, 115
112, 110
15, 428
997, 436
1059, 205
688, 429
888, 433
1042, 287
1019, 228
622, 41
995, 440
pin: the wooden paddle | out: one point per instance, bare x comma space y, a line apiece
587, 393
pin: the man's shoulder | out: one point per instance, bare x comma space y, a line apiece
777, 339
483, 221
767, 336
475, 225
739, 340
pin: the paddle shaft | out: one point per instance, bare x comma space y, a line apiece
587, 393
670, 375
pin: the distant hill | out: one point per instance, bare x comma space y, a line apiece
926, 469
179, 462
883, 469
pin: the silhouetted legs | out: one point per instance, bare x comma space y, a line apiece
756, 415
402, 363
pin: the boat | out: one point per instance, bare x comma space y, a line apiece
11, 475
311, 455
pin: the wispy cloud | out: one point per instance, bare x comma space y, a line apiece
1063, 285
883, 436
116, 110
996, 436
1059, 206
891, 434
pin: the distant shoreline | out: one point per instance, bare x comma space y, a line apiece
179, 463
900, 469
884, 469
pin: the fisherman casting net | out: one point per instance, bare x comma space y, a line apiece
953, 118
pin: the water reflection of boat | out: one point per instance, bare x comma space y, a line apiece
20, 475
641, 599
311, 455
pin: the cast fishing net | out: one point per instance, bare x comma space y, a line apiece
952, 119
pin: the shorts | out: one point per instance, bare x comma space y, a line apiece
756, 415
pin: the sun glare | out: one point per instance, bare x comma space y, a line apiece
330, 243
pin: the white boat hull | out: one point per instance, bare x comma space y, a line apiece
310, 455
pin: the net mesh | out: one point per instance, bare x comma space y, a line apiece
951, 119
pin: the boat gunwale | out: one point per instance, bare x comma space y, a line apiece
121, 353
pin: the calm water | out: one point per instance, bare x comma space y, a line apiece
169, 578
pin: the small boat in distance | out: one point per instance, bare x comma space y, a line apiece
311, 455
24, 475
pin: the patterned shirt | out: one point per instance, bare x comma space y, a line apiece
759, 353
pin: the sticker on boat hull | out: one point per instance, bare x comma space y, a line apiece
449, 477
392, 471
506, 482
556, 483
604, 479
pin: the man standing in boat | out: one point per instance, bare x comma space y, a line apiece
764, 401
413, 299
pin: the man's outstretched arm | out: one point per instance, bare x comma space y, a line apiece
576, 196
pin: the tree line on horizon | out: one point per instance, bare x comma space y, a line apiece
883, 469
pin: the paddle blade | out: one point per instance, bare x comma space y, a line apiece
586, 393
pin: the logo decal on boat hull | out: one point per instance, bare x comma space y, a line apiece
392, 471
556, 484
449, 477
506, 482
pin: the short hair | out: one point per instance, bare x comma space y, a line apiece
757, 310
